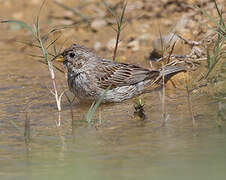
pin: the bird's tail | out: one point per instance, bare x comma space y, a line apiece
170, 71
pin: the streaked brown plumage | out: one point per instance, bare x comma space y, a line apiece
89, 76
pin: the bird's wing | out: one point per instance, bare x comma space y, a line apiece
122, 74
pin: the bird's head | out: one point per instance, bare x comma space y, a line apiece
74, 57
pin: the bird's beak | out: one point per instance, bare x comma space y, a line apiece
60, 58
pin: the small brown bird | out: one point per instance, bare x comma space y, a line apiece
89, 75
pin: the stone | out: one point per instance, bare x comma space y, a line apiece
111, 44
98, 24
97, 46
134, 45
144, 38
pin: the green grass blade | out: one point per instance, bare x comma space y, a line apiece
207, 15
211, 19
218, 48
54, 49
208, 58
90, 113
218, 11
53, 42
214, 59
37, 19
45, 36
14, 125
123, 13
45, 53
94, 106
77, 13
221, 22
109, 9
22, 24
213, 29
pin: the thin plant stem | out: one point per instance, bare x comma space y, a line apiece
71, 102
116, 45
50, 66
119, 21
95, 105
163, 82
63, 144
191, 109
37, 36
163, 95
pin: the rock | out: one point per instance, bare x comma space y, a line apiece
7, 4
134, 5
36, 2
98, 24
97, 11
18, 15
144, 38
69, 14
181, 25
143, 28
134, 45
168, 22
111, 44
97, 46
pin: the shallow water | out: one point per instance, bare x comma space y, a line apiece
125, 147
122, 147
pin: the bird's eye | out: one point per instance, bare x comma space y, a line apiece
72, 54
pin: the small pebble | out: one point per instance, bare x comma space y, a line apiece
135, 5
97, 11
18, 15
35, 2
97, 46
144, 38
134, 45
143, 28
98, 24
111, 44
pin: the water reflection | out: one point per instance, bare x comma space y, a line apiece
120, 153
